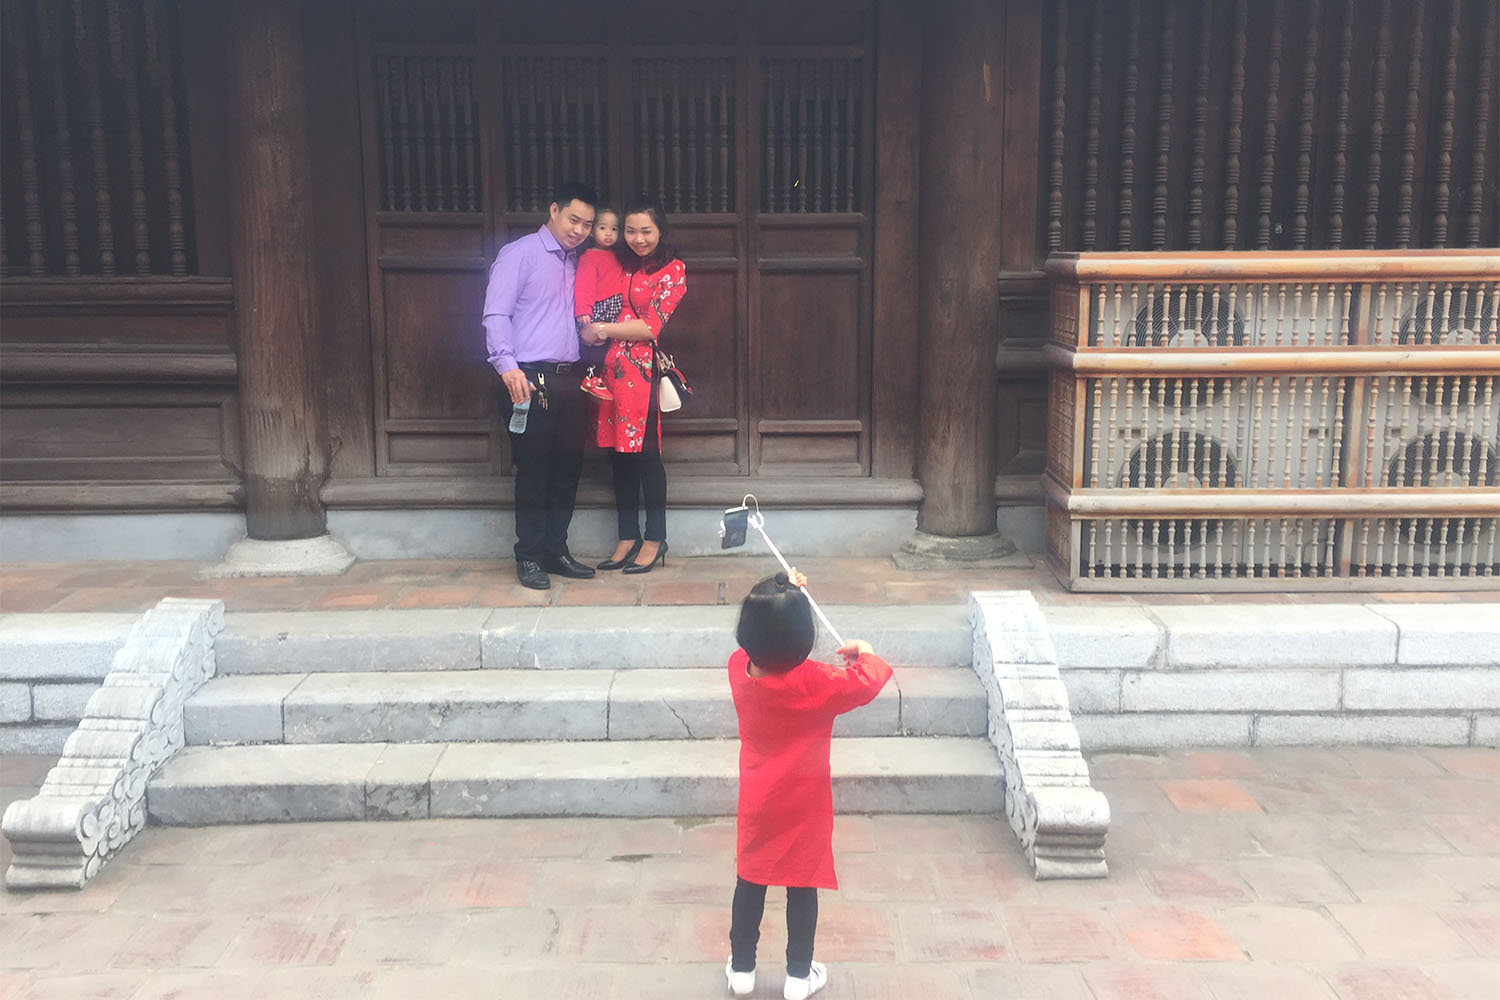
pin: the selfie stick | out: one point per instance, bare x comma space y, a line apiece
757, 521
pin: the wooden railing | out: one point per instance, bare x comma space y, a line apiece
1245, 421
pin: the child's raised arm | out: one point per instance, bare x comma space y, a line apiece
863, 674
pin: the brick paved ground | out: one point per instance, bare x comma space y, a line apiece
462, 583
1355, 874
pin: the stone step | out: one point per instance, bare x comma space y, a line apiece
564, 638
249, 784
462, 705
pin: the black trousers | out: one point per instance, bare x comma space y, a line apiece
548, 459
801, 926
641, 474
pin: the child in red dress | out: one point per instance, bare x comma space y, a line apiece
598, 294
786, 705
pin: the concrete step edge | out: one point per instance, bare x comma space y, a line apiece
458, 706
635, 778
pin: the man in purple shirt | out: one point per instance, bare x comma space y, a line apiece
533, 344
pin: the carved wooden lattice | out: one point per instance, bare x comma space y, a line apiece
94, 180
427, 126
1232, 124
555, 126
1272, 417
812, 135
684, 134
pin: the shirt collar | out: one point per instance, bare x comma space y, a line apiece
549, 242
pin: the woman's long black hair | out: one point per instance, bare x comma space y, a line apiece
664, 253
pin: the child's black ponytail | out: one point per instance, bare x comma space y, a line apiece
776, 625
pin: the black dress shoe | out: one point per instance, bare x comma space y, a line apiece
532, 574
661, 557
629, 557
566, 565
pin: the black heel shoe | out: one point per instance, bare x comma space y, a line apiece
661, 557
628, 558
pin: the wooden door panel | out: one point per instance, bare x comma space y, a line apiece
435, 365
809, 326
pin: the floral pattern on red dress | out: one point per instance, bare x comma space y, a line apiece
629, 364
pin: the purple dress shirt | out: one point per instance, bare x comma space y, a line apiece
528, 306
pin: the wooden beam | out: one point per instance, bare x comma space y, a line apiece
1329, 265
1397, 362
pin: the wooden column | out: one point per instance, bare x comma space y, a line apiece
272, 262
959, 259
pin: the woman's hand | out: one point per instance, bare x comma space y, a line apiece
854, 649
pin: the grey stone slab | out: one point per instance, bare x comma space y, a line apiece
1275, 635
421, 706
505, 640
1422, 688
191, 536
34, 738
239, 709
1445, 634
938, 775
60, 701
399, 786
671, 705
941, 701
341, 641
61, 645
1092, 691
1487, 730
1098, 636
1339, 730
262, 784
15, 702
909, 635
697, 704
1230, 690
630, 638
1153, 730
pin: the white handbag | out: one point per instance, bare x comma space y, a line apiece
667, 396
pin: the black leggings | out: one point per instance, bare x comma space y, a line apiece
801, 926
637, 474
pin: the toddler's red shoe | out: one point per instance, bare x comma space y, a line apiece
594, 386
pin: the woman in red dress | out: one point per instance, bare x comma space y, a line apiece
786, 705
630, 421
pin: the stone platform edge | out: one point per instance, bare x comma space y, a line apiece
1060, 819
93, 801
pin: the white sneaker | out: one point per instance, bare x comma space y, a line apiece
741, 984
801, 989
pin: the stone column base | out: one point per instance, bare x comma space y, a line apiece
321, 556
924, 551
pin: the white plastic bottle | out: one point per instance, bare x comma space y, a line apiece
518, 413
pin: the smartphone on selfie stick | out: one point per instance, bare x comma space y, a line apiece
732, 531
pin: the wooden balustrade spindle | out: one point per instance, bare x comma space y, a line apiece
1124, 236
67, 197
471, 162
1059, 123
1235, 136
1200, 131
820, 141
675, 107
1341, 131
596, 124
1445, 130
800, 68
787, 135
1406, 192
659, 132
854, 73
403, 127
88, 61
1483, 92
1377, 126
1095, 432
387, 128
724, 83
119, 47
448, 115
423, 144
1090, 239
1273, 120
1305, 128
546, 74
1164, 131
36, 246
171, 150
697, 85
